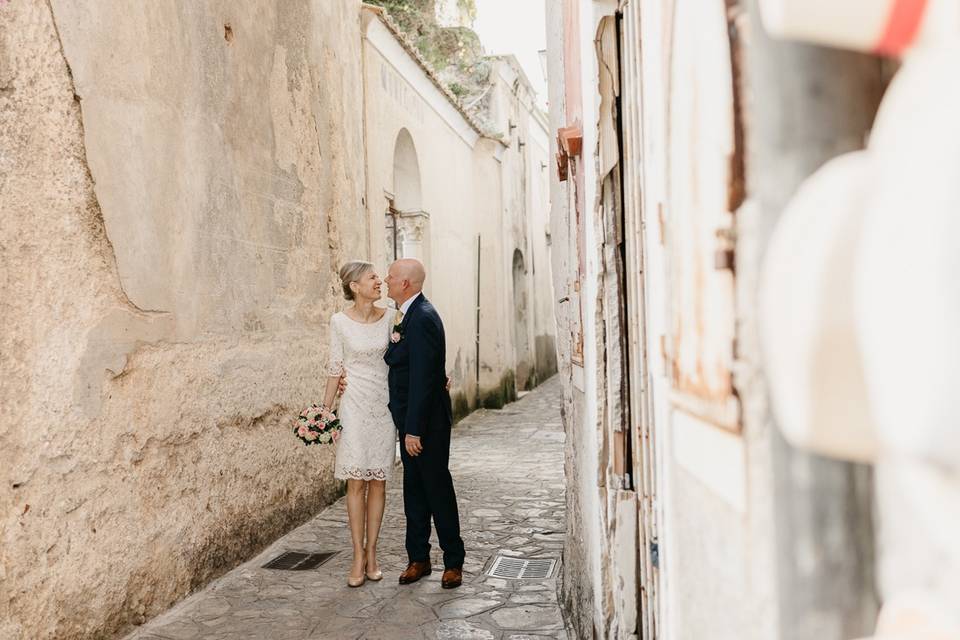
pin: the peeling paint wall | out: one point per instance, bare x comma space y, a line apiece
178, 182
571, 32
753, 539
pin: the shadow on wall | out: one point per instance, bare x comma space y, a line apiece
546, 354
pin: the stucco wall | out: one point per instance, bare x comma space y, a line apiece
470, 186
178, 182
448, 184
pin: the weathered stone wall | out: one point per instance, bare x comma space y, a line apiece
577, 591
754, 539
178, 182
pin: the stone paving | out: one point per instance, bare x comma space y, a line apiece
507, 466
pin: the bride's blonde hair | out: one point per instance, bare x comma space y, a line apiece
352, 272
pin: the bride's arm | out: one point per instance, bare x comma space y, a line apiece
330, 393
335, 368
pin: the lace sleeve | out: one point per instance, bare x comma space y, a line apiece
335, 360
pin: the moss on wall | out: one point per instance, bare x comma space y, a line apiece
503, 394
461, 407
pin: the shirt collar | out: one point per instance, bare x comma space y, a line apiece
406, 305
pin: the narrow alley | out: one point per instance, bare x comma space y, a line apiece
508, 468
695, 263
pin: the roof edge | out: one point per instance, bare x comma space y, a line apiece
411, 50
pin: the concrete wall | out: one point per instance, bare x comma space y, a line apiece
179, 181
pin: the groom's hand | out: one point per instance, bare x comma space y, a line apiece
413, 445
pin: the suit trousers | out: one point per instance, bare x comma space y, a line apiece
428, 492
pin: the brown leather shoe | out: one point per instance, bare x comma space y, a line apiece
415, 571
452, 578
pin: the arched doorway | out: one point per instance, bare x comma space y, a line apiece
521, 304
406, 220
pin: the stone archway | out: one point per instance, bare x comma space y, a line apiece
406, 218
521, 306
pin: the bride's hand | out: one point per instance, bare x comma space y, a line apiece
342, 385
448, 383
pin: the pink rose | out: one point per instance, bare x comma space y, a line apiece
302, 431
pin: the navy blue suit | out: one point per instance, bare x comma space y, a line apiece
420, 406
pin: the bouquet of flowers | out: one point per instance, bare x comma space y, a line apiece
312, 428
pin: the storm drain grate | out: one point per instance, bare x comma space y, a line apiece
298, 561
522, 568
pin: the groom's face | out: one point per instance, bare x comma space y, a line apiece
396, 288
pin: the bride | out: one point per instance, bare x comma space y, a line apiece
365, 452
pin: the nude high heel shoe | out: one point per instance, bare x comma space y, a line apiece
358, 582
376, 576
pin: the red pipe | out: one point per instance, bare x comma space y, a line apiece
902, 27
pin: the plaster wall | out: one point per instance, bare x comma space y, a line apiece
451, 184
178, 182
471, 186
539, 168
527, 297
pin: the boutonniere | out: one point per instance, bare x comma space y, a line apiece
397, 334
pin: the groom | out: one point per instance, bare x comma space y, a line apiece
420, 406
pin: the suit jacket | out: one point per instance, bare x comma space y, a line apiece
419, 400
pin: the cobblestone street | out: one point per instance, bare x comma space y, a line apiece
508, 470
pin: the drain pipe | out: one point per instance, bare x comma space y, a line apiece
478, 322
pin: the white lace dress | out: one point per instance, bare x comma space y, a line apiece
367, 446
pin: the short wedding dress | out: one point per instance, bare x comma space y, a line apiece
367, 446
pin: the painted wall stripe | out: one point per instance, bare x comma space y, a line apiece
902, 26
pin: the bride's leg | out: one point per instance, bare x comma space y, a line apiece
356, 513
376, 499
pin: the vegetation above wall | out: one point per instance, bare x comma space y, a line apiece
455, 53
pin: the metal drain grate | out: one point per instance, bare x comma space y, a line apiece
298, 561
522, 568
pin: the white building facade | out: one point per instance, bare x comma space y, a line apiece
471, 203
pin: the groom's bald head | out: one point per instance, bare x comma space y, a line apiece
412, 269
405, 279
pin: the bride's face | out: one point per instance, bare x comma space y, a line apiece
368, 286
